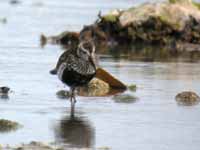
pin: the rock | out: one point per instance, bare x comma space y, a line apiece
103, 84
96, 87
66, 39
14, 2
62, 94
103, 148
93, 32
112, 16
160, 24
125, 98
181, 1
3, 20
132, 87
175, 15
33, 146
7, 125
187, 98
113, 82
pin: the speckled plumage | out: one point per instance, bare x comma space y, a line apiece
76, 67
75, 71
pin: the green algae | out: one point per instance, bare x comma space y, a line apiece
110, 18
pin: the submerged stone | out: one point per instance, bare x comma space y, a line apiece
15, 2
65, 39
3, 20
132, 87
7, 125
104, 148
125, 98
63, 94
187, 98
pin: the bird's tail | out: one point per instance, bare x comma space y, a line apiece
53, 71
43, 40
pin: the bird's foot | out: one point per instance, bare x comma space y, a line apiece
74, 100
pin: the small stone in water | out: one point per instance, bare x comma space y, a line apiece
3, 20
14, 2
62, 94
187, 98
125, 98
103, 148
132, 87
7, 125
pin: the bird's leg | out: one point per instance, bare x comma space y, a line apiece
73, 95
72, 104
73, 100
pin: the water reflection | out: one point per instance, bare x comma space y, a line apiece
76, 132
4, 96
149, 53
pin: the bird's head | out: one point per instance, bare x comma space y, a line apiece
86, 49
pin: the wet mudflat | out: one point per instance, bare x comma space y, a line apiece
155, 121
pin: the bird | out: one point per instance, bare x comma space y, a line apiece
76, 67
4, 90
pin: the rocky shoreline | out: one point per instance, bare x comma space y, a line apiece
45, 146
174, 27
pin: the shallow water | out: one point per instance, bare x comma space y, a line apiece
155, 121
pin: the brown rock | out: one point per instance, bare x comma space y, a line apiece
187, 98
7, 125
96, 87
108, 78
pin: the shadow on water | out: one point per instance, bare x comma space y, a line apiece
75, 132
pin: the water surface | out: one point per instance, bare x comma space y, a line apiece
155, 121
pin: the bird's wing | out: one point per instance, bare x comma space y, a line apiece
79, 65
